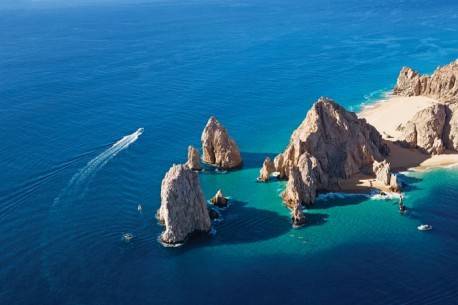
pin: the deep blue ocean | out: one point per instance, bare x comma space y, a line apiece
75, 78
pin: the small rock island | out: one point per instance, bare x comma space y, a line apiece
218, 148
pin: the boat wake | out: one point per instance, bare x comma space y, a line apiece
77, 186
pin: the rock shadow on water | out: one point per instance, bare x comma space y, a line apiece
244, 224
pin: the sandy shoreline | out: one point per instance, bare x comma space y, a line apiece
386, 115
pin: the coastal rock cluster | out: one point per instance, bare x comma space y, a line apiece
183, 208
441, 85
331, 144
384, 175
267, 169
218, 148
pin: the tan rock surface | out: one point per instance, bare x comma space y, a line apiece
183, 208
193, 159
218, 148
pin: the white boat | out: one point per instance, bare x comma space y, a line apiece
127, 236
425, 227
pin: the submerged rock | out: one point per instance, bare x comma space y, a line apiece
193, 159
183, 208
330, 144
218, 148
441, 85
426, 129
219, 200
267, 169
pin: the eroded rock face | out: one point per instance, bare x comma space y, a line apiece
218, 148
183, 208
219, 200
426, 129
395, 186
268, 168
193, 159
329, 145
441, 85
382, 171
297, 216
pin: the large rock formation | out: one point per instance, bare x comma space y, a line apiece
331, 144
267, 169
183, 208
218, 148
441, 85
426, 129
193, 159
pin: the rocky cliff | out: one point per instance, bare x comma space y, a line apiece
183, 208
441, 85
267, 169
218, 148
329, 145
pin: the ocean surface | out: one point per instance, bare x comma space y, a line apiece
99, 99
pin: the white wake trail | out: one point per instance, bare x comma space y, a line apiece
78, 184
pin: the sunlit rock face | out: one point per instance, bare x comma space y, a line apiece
218, 148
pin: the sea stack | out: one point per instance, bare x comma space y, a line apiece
441, 85
218, 148
267, 169
183, 208
297, 216
193, 159
331, 144
219, 200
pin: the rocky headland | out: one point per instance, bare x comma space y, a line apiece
331, 145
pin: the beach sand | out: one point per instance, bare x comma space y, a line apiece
386, 115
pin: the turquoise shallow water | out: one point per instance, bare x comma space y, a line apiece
80, 78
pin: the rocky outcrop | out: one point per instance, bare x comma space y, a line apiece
267, 169
297, 216
193, 159
426, 129
395, 185
330, 144
441, 85
382, 171
218, 148
219, 200
183, 208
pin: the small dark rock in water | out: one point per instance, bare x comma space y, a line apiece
297, 216
219, 200
213, 214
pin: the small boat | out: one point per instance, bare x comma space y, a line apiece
424, 227
127, 236
139, 208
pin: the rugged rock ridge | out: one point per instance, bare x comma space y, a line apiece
183, 208
329, 145
218, 148
193, 159
382, 171
441, 85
